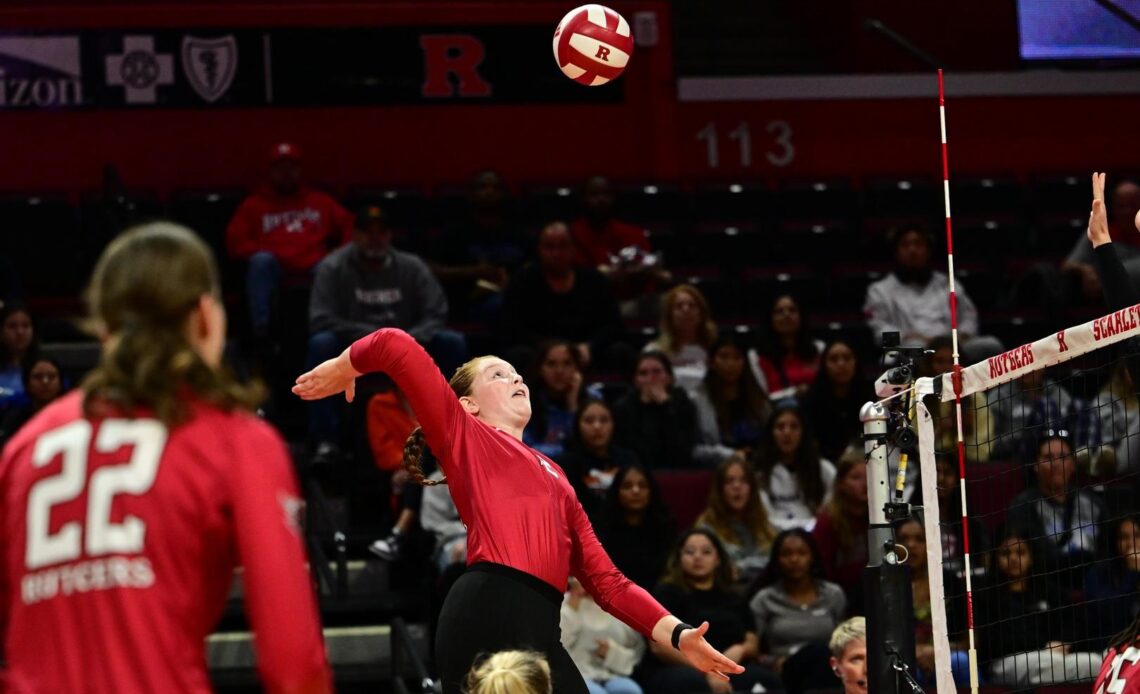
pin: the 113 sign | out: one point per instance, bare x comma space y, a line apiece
778, 148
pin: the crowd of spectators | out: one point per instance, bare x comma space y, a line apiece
766, 421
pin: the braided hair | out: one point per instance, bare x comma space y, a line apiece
461, 384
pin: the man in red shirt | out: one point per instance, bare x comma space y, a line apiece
619, 250
126, 505
283, 230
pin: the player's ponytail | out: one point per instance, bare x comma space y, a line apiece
413, 459
510, 672
145, 287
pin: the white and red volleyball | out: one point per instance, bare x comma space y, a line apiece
592, 45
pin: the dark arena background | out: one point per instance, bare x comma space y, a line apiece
759, 197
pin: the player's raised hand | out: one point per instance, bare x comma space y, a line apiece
328, 378
703, 656
1098, 217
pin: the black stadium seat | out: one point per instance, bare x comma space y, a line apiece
41, 241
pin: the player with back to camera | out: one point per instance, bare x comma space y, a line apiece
126, 505
848, 646
527, 532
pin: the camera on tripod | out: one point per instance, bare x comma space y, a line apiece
901, 370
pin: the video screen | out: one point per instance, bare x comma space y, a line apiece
1078, 29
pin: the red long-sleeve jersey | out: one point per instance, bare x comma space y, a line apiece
519, 508
299, 230
1119, 673
118, 541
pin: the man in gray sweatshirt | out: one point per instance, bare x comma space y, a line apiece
361, 287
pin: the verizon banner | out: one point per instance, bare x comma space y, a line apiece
200, 68
1060, 347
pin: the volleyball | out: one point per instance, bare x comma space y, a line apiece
592, 45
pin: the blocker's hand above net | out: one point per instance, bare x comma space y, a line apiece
1098, 217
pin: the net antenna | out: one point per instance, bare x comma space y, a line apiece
956, 387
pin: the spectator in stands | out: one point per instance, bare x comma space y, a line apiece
698, 586
787, 358
591, 459
554, 298
1119, 411
835, 397
364, 286
618, 250
912, 300
18, 343
848, 647
510, 672
687, 334
43, 383
656, 419
912, 536
1112, 585
605, 650
1019, 407
796, 605
635, 526
479, 251
977, 421
1122, 208
408, 497
282, 231
840, 529
555, 397
950, 523
1027, 625
732, 409
738, 519
1056, 509
440, 518
795, 480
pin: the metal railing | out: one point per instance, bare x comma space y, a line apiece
404, 654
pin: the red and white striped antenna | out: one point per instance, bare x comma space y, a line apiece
957, 381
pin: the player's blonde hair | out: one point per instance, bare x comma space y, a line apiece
510, 672
145, 286
462, 382
854, 629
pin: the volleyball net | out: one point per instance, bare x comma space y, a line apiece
1032, 540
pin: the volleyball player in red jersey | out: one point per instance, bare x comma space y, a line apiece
125, 506
526, 531
1120, 671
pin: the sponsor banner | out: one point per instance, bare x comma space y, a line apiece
40, 72
200, 68
1048, 351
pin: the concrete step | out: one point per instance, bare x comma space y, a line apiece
355, 653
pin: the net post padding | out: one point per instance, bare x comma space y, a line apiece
943, 677
1057, 348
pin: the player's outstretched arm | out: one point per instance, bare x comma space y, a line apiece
279, 597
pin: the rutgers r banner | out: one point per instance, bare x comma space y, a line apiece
212, 67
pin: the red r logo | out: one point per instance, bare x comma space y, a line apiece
458, 55
603, 54
1061, 341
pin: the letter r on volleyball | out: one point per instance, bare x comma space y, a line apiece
592, 45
